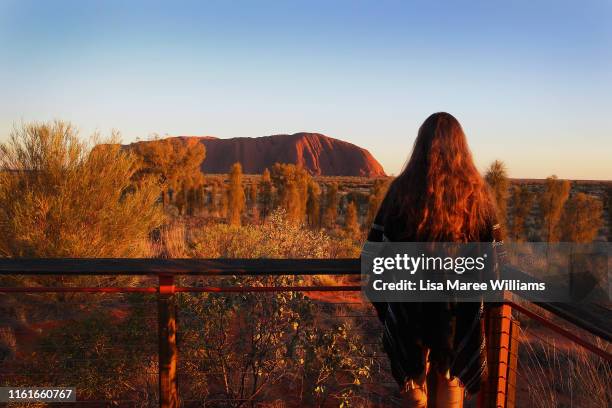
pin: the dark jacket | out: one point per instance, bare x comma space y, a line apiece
452, 331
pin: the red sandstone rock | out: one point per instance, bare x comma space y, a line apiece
319, 154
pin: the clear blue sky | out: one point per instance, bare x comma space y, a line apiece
530, 80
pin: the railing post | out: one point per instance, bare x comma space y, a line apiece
512, 363
166, 318
502, 355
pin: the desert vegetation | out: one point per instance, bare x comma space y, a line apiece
63, 197
497, 179
59, 198
554, 374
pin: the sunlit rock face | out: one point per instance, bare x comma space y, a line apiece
319, 154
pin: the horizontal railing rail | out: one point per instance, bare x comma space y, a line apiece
155, 266
594, 318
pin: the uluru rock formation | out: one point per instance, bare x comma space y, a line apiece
319, 154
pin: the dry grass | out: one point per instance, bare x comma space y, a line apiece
564, 377
172, 241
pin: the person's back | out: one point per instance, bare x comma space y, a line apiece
438, 197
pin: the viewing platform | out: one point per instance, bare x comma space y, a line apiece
163, 281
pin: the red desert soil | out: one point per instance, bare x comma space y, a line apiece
27, 335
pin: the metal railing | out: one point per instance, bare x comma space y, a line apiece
502, 328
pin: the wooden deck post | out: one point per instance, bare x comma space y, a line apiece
499, 388
166, 318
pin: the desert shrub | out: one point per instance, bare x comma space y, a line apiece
238, 348
351, 222
581, 219
313, 205
246, 347
522, 201
266, 194
60, 198
552, 200
291, 183
335, 363
496, 177
236, 196
276, 237
253, 207
375, 199
103, 356
332, 201
175, 163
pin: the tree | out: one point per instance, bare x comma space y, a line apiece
235, 195
351, 221
331, 205
213, 206
556, 193
253, 194
174, 161
180, 198
280, 175
293, 203
313, 205
291, 183
497, 179
199, 195
60, 198
224, 206
522, 202
254, 207
375, 199
265, 193
582, 218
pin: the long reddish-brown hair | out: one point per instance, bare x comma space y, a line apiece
440, 196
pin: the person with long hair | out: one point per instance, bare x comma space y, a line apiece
436, 350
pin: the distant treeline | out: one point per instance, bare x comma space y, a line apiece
549, 210
176, 163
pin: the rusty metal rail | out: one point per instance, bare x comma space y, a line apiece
200, 267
